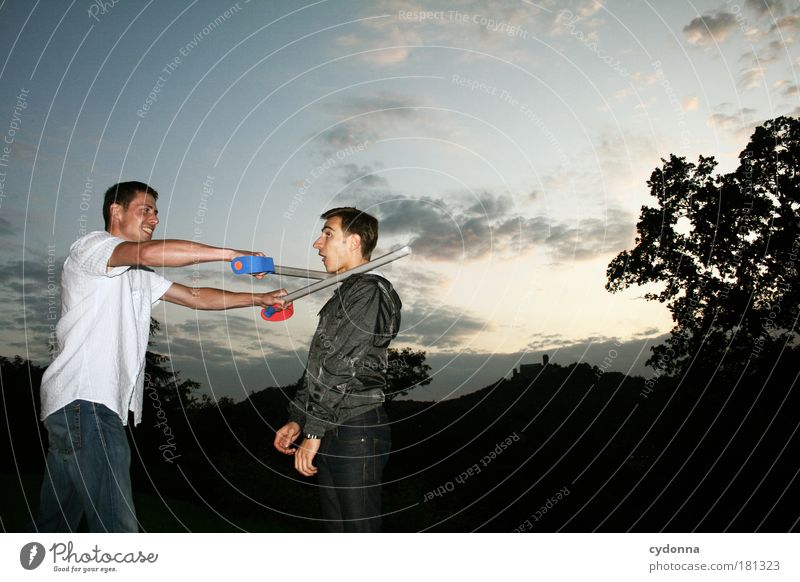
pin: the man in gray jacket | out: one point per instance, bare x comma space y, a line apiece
339, 406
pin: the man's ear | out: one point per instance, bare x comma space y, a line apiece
355, 242
114, 211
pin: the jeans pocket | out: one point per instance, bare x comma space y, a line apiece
353, 447
64, 429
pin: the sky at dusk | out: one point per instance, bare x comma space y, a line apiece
509, 143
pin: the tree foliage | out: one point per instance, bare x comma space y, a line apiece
721, 251
169, 389
407, 370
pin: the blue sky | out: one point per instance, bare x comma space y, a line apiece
508, 142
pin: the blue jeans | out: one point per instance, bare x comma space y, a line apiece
87, 473
350, 466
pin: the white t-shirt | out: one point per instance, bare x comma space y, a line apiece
103, 331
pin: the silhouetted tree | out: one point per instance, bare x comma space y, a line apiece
723, 253
173, 391
407, 370
22, 437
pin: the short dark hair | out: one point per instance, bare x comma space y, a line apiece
122, 194
355, 221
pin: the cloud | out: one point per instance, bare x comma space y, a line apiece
367, 119
362, 176
416, 285
439, 231
224, 327
386, 102
789, 24
691, 103
31, 304
228, 354
33, 271
593, 237
774, 34
751, 78
457, 229
442, 328
392, 32
737, 122
709, 29
762, 7
791, 90
5, 227
542, 341
491, 206
381, 42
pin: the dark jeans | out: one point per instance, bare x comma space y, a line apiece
350, 462
87, 473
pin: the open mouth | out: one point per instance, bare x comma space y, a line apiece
148, 230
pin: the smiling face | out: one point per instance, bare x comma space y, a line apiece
137, 222
339, 251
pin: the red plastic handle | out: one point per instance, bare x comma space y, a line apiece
272, 314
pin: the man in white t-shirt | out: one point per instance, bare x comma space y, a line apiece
108, 289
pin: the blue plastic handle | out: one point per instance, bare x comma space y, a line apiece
252, 264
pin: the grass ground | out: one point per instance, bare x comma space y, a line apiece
20, 500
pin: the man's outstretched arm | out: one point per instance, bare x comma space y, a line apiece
211, 299
170, 253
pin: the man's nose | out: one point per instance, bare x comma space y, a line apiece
317, 243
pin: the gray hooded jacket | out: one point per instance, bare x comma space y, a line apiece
347, 362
